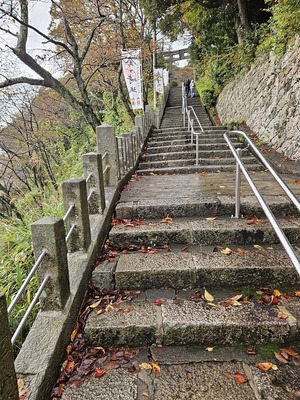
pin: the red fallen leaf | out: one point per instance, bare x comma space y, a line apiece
121, 311
297, 181
153, 251
282, 315
70, 365
158, 302
241, 250
24, 393
290, 352
115, 221
275, 301
184, 249
251, 351
240, 378
280, 358
297, 293
99, 373
203, 174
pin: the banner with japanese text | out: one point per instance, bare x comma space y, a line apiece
133, 77
166, 76
158, 80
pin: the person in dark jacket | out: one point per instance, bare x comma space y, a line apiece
186, 86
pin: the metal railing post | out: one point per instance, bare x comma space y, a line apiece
49, 233
75, 193
92, 167
197, 150
238, 186
8, 379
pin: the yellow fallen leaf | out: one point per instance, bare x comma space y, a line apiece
211, 218
209, 348
235, 303
208, 296
276, 293
237, 297
213, 305
258, 247
145, 394
274, 367
222, 186
145, 366
94, 305
226, 251
265, 366
21, 384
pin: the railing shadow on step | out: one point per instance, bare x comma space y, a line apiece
240, 167
65, 250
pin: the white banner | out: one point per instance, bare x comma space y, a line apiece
158, 80
166, 76
132, 72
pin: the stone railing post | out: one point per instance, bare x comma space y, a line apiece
93, 173
8, 379
74, 193
139, 123
128, 137
49, 234
106, 142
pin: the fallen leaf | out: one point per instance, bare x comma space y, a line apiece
280, 358
266, 366
240, 378
167, 220
251, 351
209, 348
237, 297
99, 373
74, 333
282, 315
277, 293
203, 174
290, 352
297, 293
94, 305
24, 393
258, 247
145, 394
226, 251
158, 302
184, 249
21, 384
222, 186
208, 296
145, 366
212, 304
211, 218
297, 181
241, 250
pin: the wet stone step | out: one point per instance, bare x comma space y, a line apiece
162, 163
143, 271
192, 169
201, 231
201, 206
169, 322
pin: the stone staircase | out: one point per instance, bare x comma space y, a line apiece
213, 296
170, 150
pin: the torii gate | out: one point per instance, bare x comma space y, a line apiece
176, 55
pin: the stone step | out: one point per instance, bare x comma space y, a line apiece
177, 133
197, 268
181, 322
201, 206
215, 138
194, 169
175, 163
182, 145
189, 231
188, 154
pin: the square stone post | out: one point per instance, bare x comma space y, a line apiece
8, 379
93, 173
138, 122
49, 234
74, 193
106, 142
121, 151
128, 137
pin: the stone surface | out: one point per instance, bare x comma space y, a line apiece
187, 322
145, 271
130, 324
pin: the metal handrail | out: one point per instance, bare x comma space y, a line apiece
26, 282
29, 309
272, 219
